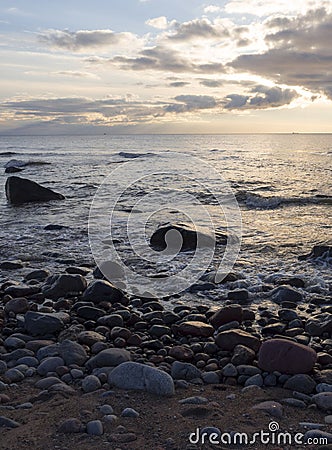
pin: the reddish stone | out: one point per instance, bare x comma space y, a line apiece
228, 340
225, 315
181, 353
286, 357
195, 328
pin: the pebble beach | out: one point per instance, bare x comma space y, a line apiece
107, 371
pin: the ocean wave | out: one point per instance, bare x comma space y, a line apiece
132, 155
20, 163
8, 153
257, 201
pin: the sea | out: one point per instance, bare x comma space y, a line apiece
281, 184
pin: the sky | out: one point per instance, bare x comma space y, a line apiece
157, 66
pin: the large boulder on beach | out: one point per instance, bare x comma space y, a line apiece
42, 324
21, 190
137, 376
109, 358
59, 285
102, 290
229, 313
182, 237
286, 356
229, 339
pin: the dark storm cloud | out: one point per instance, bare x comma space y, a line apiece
260, 97
83, 39
300, 52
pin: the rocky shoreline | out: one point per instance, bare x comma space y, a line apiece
62, 337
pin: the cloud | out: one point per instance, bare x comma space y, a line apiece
160, 23
299, 52
212, 9
75, 74
179, 84
263, 8
261, 97
189, 103
211, 83
199, 29
162, 58
83, 40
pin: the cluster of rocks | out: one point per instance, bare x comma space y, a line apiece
67, 335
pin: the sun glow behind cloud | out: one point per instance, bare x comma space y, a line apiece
234, 61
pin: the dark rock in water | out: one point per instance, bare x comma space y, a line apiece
319, 324
60, 285
198, 287
40, 324
108, 270
239, 295
133, 155
13, 169
21, 190
100, 290
286, 357
20, 163
21, 290
11, 265
73, 270
292, 281
317, 252
285, 294
181, 237
54, 227
40, 274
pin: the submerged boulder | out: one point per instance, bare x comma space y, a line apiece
318, 251
13, 169
21, 190
183, 237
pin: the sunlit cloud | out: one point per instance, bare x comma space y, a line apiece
160, 23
